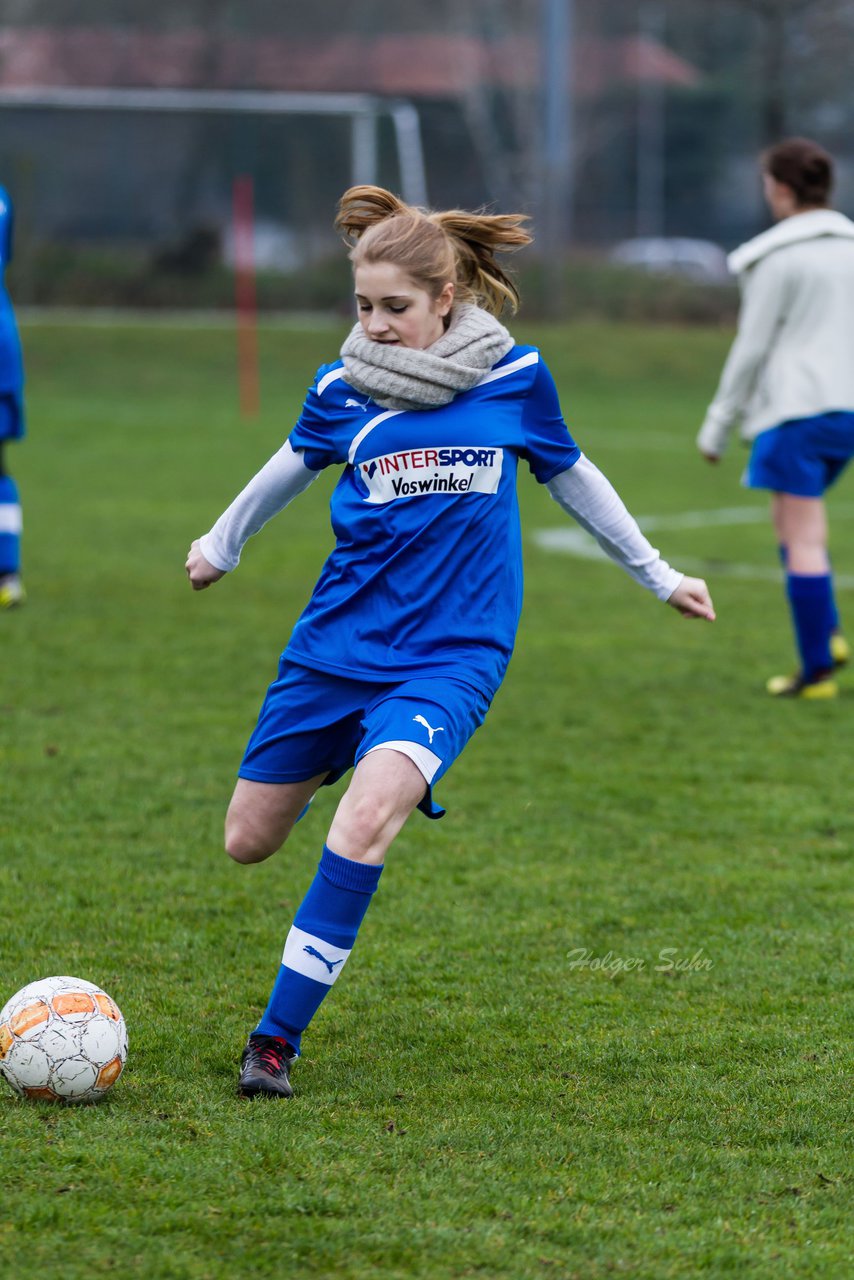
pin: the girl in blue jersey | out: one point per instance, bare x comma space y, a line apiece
394, 661
11, 422
789, 383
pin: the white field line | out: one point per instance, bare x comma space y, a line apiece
573, 541
625, 441
110, 318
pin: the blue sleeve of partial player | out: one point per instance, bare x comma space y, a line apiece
314, 435
549, 448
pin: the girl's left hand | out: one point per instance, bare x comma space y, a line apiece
692, 599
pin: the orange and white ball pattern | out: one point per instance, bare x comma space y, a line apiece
62, 1039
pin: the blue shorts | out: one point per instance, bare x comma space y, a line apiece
802, 457
312, 722
11, 416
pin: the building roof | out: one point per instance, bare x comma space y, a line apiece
424, 66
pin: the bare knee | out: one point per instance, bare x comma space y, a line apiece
261, 816
361, 822
385, 789
246, 844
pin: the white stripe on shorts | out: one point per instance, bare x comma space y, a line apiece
425, 760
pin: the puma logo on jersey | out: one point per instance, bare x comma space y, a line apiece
350, 403
330, 964
431, 731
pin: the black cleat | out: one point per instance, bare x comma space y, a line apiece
264, 1067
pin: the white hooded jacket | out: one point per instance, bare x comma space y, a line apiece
793, 356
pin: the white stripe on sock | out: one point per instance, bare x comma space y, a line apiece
311, 956
11, 520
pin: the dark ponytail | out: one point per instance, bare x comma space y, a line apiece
804, 166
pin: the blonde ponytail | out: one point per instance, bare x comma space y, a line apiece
363, 207
478, 237
433, 248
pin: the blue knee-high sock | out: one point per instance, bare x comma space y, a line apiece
10, 526
811, 601
835, 624
320, 940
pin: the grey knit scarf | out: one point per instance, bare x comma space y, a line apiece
407, 378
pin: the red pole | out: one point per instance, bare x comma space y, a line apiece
245, 298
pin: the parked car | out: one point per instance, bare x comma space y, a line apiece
674, 255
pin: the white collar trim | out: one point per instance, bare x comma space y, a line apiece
800, 226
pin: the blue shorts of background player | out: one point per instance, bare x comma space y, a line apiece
312, 723
802, 457
12, 420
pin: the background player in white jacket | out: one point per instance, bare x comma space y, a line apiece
789, 382
408, 633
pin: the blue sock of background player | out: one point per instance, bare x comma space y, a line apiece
10, 524
814, 617
321, 938
811, 601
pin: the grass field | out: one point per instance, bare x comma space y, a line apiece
509, 1081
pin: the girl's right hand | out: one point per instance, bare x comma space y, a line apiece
200, 571
691, 598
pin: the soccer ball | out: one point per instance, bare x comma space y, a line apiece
62, 1039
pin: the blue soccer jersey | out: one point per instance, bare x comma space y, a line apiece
426, 575
11, 364
12, 374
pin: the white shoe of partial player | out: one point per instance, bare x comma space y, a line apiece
12, 591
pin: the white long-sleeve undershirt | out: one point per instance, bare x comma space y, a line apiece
277, 483
589, 497
582, 491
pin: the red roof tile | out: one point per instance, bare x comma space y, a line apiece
416, 66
